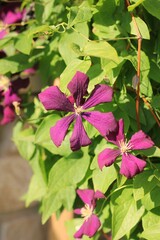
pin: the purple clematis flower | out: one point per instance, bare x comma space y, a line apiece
91, 221
131, 165
9, 97
53, 99
9, 14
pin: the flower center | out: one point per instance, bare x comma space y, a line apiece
124, 146
4, 83
78, 110
86, 211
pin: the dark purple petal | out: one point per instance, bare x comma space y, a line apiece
98, 195
103, 122
19, 83
100, 94
87, 195
78, 87
8, 115
77, 211
53, 99
107, 157
59, 130
118, 134
10, 97
89, 227
140, 141
79, 136
131, 165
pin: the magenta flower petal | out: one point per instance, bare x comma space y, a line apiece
89, 227
10, 97
3, 33
87, 195
79, 136
77, 211
53, 99
78, 87
8, 115
131, 165
104, 122
107, 157
140, 141
118, 134
59, 130
100, 94
98, 195
13, 17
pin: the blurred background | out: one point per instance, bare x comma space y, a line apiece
16, 221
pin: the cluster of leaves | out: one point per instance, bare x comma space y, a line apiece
100, 39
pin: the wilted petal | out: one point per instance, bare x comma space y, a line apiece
89, 227
19, 83
8, 115
131, 165
59, 130
78, 87
104, 122
79, 136
140, 141
87, 195
107, 157
100, 94
53, 99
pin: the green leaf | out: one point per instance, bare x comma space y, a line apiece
14, 64
37, 186
143, 184
71, 41
42, 136
63, 178
79, 14
103, 179
133, 6
36, 191
142, 26
153, 9
151, 233
151, 152
43, 9
152, 199
24, 43
24, 140
101, 50
71, 69
151, 225
125, 217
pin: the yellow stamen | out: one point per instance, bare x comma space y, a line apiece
86, 211
4, 82
16, 107
78, 110
124, 146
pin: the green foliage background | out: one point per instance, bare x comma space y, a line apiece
98, 38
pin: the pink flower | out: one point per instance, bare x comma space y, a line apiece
131, 165
91, 222
9, 96
53, 99
9, 14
